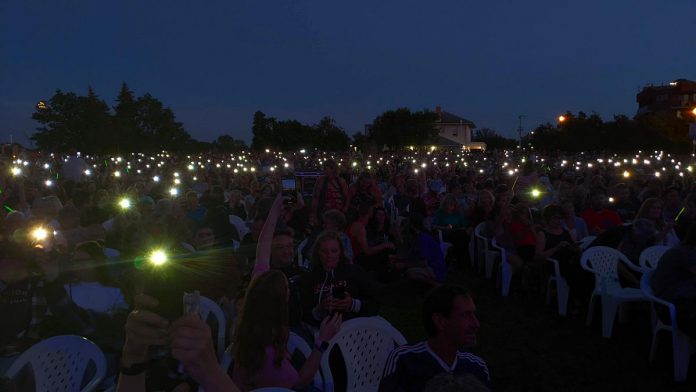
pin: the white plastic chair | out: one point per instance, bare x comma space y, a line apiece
365, 343
562, 289
60, 362
650, 257
683, 346
208, 307
241, 226
486, 254
504, 269
586, 241
295, 343
301, 261
444, 246
603, 262
111, 253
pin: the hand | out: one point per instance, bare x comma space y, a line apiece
329, 327
143, 329
192, 345
563, 244
342, 305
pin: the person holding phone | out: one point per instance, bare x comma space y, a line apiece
333, 285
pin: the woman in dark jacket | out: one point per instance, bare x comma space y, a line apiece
334, 285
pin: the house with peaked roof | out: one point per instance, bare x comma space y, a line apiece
455, 131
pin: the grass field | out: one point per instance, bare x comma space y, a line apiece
528, 347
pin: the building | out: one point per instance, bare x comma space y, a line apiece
455, 131
678, 98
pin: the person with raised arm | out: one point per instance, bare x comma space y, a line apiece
261, 357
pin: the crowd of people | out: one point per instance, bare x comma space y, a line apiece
104, 247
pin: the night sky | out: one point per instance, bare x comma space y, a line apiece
216, 62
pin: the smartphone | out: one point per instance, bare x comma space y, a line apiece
338, 292
288, 184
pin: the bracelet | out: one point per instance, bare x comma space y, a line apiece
321, 347
132, 370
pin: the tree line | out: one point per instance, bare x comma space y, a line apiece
69, 121
86, 123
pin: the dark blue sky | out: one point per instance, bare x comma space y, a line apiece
216, 62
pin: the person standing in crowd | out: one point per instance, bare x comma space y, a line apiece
330, 192
364, 191
449, 318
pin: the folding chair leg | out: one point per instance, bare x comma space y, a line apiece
653, 345
590, 310
562, 291
682, 354
609, 309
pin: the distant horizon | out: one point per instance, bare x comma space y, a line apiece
216, 63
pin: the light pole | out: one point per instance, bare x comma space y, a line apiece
692, 132
519, 129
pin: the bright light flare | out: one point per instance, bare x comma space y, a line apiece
124, 203
39, 234
158, 257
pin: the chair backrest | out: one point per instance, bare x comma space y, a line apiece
481, 240
646, 288
241, 226
365, 343
59, 363
650, 256
295, 343
585, 242
111, 253
603, 261
209, 308
301, 261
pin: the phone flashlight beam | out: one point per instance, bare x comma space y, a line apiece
158, 258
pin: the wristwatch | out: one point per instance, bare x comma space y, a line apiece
321, 347
132, 370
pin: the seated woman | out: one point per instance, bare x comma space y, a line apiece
261, 359
379, 228
553, 241
375, 258
334, 285
421, 258
451, 221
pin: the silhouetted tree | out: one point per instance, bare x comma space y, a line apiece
401, 127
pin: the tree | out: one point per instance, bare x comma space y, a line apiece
70, 122
401, 127
126, 130
331, 137
86, 123
492, 139
157, 126
262, 131
226, 143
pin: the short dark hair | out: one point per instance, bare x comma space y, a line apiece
440, 300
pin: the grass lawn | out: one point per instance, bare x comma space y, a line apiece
528, 347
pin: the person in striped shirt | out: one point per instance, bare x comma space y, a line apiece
449, 317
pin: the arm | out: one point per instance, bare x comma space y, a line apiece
315, 199
344, 191
143, 329
360, 234
263, 247
377, 194
328, 329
